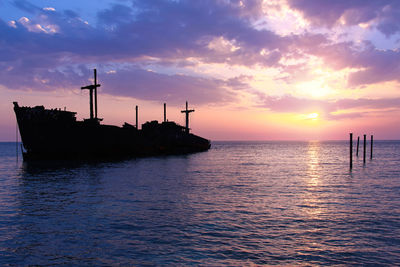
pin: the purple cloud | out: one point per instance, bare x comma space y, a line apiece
165, 29
131, 82
327, 13
51, 45
25, 6
374, 65
174, 89
33, 58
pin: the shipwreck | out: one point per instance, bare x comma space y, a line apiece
49, 134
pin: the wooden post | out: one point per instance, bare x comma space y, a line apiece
137, 111
165, 112
365, 147
372, 141
358, 144
351, 151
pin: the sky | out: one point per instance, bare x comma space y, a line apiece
252, 70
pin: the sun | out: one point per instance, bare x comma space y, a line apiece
312, 116
309, 117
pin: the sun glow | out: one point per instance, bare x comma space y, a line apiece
312, 116
316, 89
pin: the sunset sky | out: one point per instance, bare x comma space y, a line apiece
252, 70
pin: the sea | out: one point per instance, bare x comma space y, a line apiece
238, 204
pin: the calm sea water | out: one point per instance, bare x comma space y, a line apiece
241, 203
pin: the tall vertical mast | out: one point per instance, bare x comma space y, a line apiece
187, 118
91, 88
187, 111
95, 93
137, 110
165, 112
91, 103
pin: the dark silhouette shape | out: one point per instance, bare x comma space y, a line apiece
372, 141
56, 134
16, 139
187, 111
165, 112
95, 92
351, 151
91, 88
365, 147
137, 114
358, 144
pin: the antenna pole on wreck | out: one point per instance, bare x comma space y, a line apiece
91, 88
137, 111
91, 104
95, 93
187, 111
165, 112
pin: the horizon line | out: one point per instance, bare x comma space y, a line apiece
270, 140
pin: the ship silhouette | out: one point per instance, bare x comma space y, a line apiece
56, 134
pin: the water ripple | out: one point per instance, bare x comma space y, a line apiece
241, 203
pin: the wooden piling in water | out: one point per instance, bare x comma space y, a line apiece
365, 147
372, 141
351, 151
358, 144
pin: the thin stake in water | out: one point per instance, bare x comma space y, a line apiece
365, 147
351, 151
358, 144
372, 141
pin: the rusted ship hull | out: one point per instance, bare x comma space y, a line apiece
55, 134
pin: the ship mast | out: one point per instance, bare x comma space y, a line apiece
187, 111
91, 88
165, 112
95, 93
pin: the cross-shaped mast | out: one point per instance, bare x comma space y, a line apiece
91, 88
187, 111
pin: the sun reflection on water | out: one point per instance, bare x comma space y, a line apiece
312, 196
313, 161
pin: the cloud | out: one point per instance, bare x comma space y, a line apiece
164, 29
328, 108
51, 43
289, 104
130, 81
239, 82
369, 65
49, 9
379, 66
169, 31
385, 14
25, 6
30, 77
174, 89
117, 14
